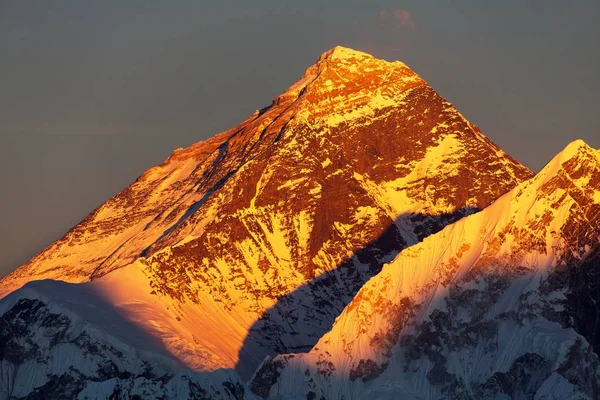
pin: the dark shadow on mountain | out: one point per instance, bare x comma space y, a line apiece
582, 311
298, 320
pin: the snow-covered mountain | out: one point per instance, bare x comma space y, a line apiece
271, 238
352, 123
502, 304
251, 243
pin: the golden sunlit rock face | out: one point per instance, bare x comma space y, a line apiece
295, 208
352, 163
270, 238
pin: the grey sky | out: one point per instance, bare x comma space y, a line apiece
93, 93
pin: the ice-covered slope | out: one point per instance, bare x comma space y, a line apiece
64, 341
252, 242
501, 304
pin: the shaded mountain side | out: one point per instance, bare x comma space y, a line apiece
582, 302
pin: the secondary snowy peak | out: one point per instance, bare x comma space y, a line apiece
576, 165
500, 303
270, 229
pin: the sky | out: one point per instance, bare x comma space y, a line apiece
94, 93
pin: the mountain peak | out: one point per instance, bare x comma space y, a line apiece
345, 57
350, 64
342, 53
578, 148
342, 72
576, 160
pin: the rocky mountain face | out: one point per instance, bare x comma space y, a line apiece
501, 304
268, 230
337, 232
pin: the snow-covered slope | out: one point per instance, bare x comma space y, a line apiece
501, 304
252, 242
64, 341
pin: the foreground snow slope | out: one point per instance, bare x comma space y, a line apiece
501, 304
251, 243
64, 341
